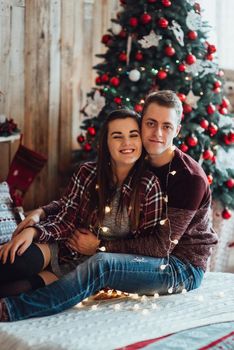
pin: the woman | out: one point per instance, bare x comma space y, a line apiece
113, 198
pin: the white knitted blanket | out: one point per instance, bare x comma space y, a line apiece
116, 323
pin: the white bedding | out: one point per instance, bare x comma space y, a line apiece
114, 324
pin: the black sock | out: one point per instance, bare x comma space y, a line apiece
21, 286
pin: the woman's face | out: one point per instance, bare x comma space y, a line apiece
124, 141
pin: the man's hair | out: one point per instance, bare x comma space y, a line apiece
166, 98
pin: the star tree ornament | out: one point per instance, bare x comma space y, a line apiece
192, 99
177, 31
193, 20
150, 40
94, 104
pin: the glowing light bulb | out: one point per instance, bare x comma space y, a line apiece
170, 290
134, 296
162, 222
172, 172
156, 295
107, 209
184, 291
165, 198
94, 307
175, 241
96, 187
104, 229
162, 267
102, 249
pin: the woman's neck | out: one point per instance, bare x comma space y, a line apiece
120, 172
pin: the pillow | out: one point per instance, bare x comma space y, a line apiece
9, 217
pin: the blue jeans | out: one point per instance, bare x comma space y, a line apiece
125, 272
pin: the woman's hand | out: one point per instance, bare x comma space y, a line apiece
84, 241
17, 245
33, 218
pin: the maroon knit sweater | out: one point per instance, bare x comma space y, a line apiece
189, 201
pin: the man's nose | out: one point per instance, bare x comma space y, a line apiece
158, 131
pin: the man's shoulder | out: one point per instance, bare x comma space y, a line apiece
184, 163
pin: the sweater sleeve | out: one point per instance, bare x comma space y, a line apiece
61, 222
159, 242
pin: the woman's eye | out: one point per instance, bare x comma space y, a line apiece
134, 135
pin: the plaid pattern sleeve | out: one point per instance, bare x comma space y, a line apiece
151, 204
63, 223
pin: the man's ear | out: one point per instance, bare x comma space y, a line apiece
178, 129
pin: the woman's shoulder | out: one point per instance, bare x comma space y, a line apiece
86, 169
149, 179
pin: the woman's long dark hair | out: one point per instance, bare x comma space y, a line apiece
105, 187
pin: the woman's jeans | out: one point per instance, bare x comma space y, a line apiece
125, 272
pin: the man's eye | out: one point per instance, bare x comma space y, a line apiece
150, 124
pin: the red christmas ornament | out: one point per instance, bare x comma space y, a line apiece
217, 90
138, 108
98, 80
226, 214
181, 96
212, 129
118, 100
207, 154
80, 138
182, 67
87, 147
106, 38
210, 179
123, 34
187, 108
184, 147
162, 75
210, 108
231, 136
204, 124
115, 81
192, 141
217, 84
163, 23
192, 35
211, 49
166, 3
225, 102
146, 18
209, 57
230, 183
104, 78
169, 51
122, 57
91, 130
133, 22
190, 59
139, 56
226, 140
223, 110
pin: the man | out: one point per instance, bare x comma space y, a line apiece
169, 260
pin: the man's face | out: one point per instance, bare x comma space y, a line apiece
159, 127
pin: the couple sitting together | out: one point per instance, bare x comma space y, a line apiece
136, 220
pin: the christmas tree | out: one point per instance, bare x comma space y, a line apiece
162, 44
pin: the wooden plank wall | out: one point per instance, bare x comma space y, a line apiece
47, 50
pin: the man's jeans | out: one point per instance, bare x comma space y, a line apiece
125, 272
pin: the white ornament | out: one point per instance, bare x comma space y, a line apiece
202, 68
178, 32
134, 75
95, 104
116, 28
192, 99
193, 20
150, 40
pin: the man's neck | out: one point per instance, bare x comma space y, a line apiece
162, 159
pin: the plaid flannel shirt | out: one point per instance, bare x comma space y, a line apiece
69, 213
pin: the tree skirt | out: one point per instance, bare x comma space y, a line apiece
117, 323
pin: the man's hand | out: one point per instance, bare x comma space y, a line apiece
33, 218
84, 241
17, 245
